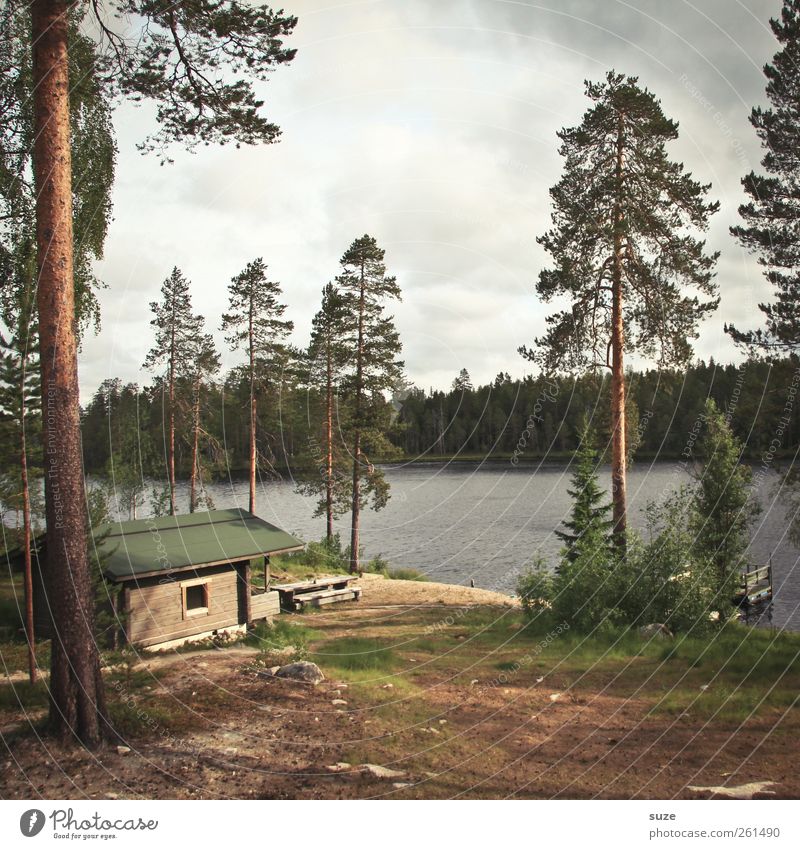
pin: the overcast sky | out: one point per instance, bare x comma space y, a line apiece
431, 125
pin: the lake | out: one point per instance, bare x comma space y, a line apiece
460, 522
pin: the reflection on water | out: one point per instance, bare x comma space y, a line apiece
462, 522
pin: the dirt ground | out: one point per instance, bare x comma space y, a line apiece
439, 714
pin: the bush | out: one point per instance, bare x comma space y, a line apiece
535, 588
667, 580
405, 574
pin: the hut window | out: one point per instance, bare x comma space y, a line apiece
195, 599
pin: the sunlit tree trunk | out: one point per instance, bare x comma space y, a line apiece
356, 509
618, 448
77, 703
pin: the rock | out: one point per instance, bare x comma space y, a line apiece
399, 785
268, 673
338, 767
388, 687
554, 697
123, 750
742, 791
338, 702
655, 631
302, 670
382, 771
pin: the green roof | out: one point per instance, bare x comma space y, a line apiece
172, 543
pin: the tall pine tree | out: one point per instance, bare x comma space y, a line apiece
175, 348
623, 216
327, 359
374, 345
206, 363
772, 215
197, 61
255, 323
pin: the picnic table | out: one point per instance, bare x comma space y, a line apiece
325, 589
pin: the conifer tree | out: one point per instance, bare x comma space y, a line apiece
197, 61
327, 359
177, 330
374, 345
206, 363
724, 506
772, 214
589, 513
624, 253
255, 323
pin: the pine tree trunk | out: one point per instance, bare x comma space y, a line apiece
26, 526
329, 446
77, 702
195, 446
171, 434
356, 509
253, 416
618, 448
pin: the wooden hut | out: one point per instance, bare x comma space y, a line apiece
186, 577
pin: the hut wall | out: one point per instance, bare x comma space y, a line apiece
159, 608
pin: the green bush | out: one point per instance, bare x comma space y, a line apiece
535, 588
377, 566
405, 574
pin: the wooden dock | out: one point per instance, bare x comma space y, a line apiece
753, 595
327, 589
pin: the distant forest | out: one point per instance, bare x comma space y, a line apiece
519, 419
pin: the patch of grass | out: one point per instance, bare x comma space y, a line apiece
405, 574
22, 695
281, 633
356, 653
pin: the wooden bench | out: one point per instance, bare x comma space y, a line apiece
317, 599
326, 589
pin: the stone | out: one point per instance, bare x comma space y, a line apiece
301, 670
123, 750
399, 785
338, 702
554, 697
742, 791
388, 687
655, 631
342, 766
382, 771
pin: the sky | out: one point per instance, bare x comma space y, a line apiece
431, 125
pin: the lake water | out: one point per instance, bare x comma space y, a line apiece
459, 522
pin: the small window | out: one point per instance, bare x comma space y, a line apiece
195, 599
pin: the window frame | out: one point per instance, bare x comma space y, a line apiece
190, 613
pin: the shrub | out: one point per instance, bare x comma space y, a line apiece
666, 580
535, 588
405, 574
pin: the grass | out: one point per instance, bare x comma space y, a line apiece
352, 654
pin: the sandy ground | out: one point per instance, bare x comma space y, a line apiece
379, 591
442, 725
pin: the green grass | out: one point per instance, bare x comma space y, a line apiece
356, 654
404, 574
22, 695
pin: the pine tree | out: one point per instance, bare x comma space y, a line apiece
197, 61
589, 513
463, 383
724, 506
177, 330
623, 250
374, 345
206, 364
327, 359
255, 322
20, 420
771, 216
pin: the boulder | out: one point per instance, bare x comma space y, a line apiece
301, 670
655, 630
382, 771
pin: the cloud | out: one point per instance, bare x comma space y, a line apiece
432, 127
